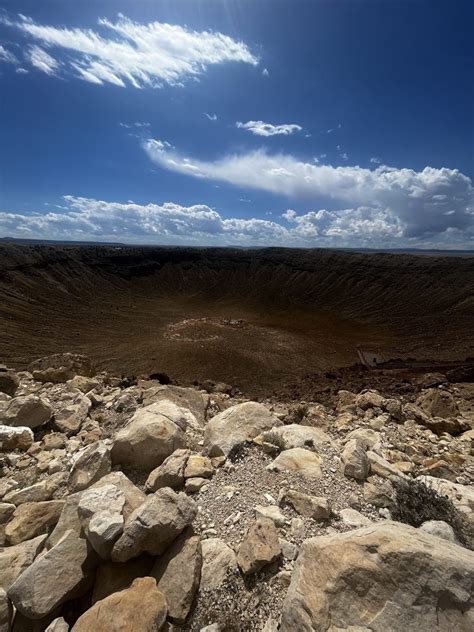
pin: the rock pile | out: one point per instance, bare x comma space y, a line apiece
141, 506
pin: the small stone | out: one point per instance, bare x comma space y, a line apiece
259, 547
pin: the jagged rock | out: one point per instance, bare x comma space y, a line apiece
235, 426
353, 518
68, 520
6, 511
58, 575
345, 401
218, 559
154, 525
134, 497
296, 436
387, 576
71, 415
9, 382
439, 468
140, 607
27, 410
60, 367
58, 625
462, 496
379, 494
112, 577
193, 485
54, 441
437, 402
369, 399
6, 611
354, 460
394, 408
32, 519
259, 547
315, 507
100, 512
147, 440
288, 550
82, 383
303, 461
440, 529
452, 425
273, 513
15, 438
188, 398
43, 490
366, 437
198, 466
16, 559
170, 473
89, 465
381, 467
177, 573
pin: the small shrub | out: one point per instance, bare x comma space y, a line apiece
239, 452
415, 503
299, 414
275, 439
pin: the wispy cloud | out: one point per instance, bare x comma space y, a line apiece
6, 56
42, 60
211, 117
426, 202
375, 161
265, 72
135, 125
259, 128
125, 52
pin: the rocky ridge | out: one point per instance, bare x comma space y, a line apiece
134, 503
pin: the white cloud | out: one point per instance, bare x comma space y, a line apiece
211, 117
22, 71
426, 202
97, 220
136, 124
259, 128
6, 56
265, 72
375, 161
42, 60
130, 53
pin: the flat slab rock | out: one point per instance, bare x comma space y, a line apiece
388, 576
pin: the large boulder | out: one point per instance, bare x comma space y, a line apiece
148, 439
462, 496
9, 382
188, 398
32, 519
218, 560
112, 576
6, 612
140, 607
28, 410
437, 402
89, 465
235, 426
170, 473
259, 547
299, 460
55, 577
177, 573
387, 576
100, 512
296, 436
16, 559
15, 438
71, 414
354, 460
154, 525
61, 367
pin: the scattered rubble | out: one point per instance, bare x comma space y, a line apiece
185, 509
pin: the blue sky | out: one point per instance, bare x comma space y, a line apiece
323, 123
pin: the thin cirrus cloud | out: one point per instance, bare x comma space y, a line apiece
421, 203
125, 52
42, 60
7, 57
259, 128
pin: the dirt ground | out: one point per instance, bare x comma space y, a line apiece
264, 321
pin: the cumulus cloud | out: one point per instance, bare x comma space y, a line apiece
42, 60
170, 223
425, 203
6, 56
259, 128
211, 117
130, 53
